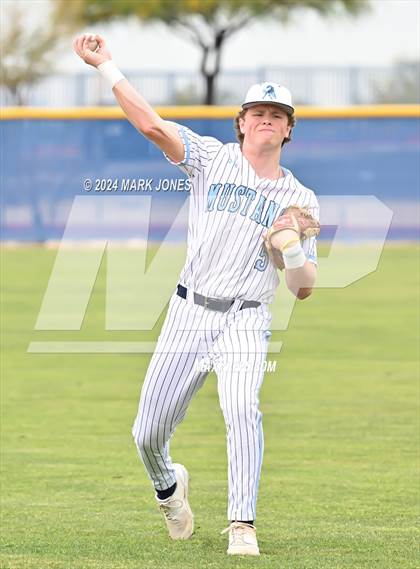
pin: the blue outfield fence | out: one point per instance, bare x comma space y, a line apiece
46, 161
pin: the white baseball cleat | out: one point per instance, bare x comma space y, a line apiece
176, 509
242, 539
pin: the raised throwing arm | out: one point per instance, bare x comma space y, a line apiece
138, 111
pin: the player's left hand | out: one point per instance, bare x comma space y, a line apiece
295, 224
94, 58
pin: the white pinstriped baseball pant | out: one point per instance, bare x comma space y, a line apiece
192, 341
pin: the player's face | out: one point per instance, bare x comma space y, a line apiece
265, 125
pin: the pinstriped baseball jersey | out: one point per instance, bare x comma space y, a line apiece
230, 210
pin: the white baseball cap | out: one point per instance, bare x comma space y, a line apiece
270, 93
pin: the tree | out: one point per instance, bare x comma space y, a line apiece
28, 52
208, 23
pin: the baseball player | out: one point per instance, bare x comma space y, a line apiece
240, 231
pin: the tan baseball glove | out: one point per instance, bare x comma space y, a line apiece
297, 224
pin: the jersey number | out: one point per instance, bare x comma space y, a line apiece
262, 261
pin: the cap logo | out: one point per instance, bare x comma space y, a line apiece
269, 92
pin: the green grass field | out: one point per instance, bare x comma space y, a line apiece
339, 482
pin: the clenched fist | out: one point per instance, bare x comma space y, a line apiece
95, 58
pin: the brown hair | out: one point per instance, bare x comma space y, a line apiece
291, 121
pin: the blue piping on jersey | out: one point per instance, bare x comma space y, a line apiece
260, 460
186, 142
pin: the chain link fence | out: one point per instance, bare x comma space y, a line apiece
324, 86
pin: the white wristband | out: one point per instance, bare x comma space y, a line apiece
110, 72
294, 257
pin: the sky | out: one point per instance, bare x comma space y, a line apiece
388, 33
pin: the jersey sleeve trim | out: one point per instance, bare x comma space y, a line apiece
186, 142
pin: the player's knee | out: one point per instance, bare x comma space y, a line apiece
144, 440
243, 413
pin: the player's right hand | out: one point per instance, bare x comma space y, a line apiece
95, 58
